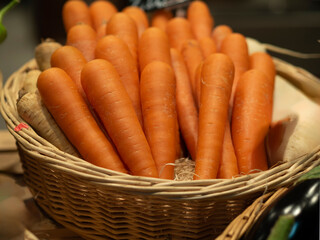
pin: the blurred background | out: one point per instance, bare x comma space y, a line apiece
291, 24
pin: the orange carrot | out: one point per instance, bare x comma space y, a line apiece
200, 18
216, 85
114, 50
61, 97
101, 31
219, 33
178, 31
139, 16
71, 60
153, 45
207, 46
186, 108
157, 86
160, 19
83, 37
229, 164
192, 55
251, 118
101, 11
75, 12
107, 95
123, 26
198, 80
235, 46
263, 61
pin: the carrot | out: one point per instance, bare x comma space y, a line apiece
123, 26
192, 55
216, 85
207, 46
229, 164
200, 18
101, 31
219, 33
263, 61
178, 31
186, 108
139, 16
71, 60
83, 37
153, 45
75, 12
107, 95
251, 118
235, 46
114, 50
157, 86
160, 19
100, 12
198, 79
61, 97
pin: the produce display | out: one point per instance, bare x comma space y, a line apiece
158, 124
133, 92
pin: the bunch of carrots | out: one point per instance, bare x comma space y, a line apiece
131, 91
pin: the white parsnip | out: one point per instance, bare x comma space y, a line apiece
44, 51
29, 82
32, 110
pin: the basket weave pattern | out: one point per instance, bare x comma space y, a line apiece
98, 203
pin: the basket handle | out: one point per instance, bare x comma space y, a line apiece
289, 52
302, 79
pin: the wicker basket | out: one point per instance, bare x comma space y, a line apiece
97, 203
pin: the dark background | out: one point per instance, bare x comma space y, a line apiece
291, 24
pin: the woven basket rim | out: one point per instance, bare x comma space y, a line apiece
275, 177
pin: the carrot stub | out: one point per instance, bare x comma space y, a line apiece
106, 93
198, 80
193, 57
235, 46
158, 88
61, 97
207, 46
219, 33
123, 26
251, 118
101, 12
153, 46
263, 62
75, 12
139, 16
200, 18
160, 19
83, 37
71, 60
216, 85
186, 108
178, 31
114, 50
229, 164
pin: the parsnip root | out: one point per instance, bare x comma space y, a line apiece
32, 110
